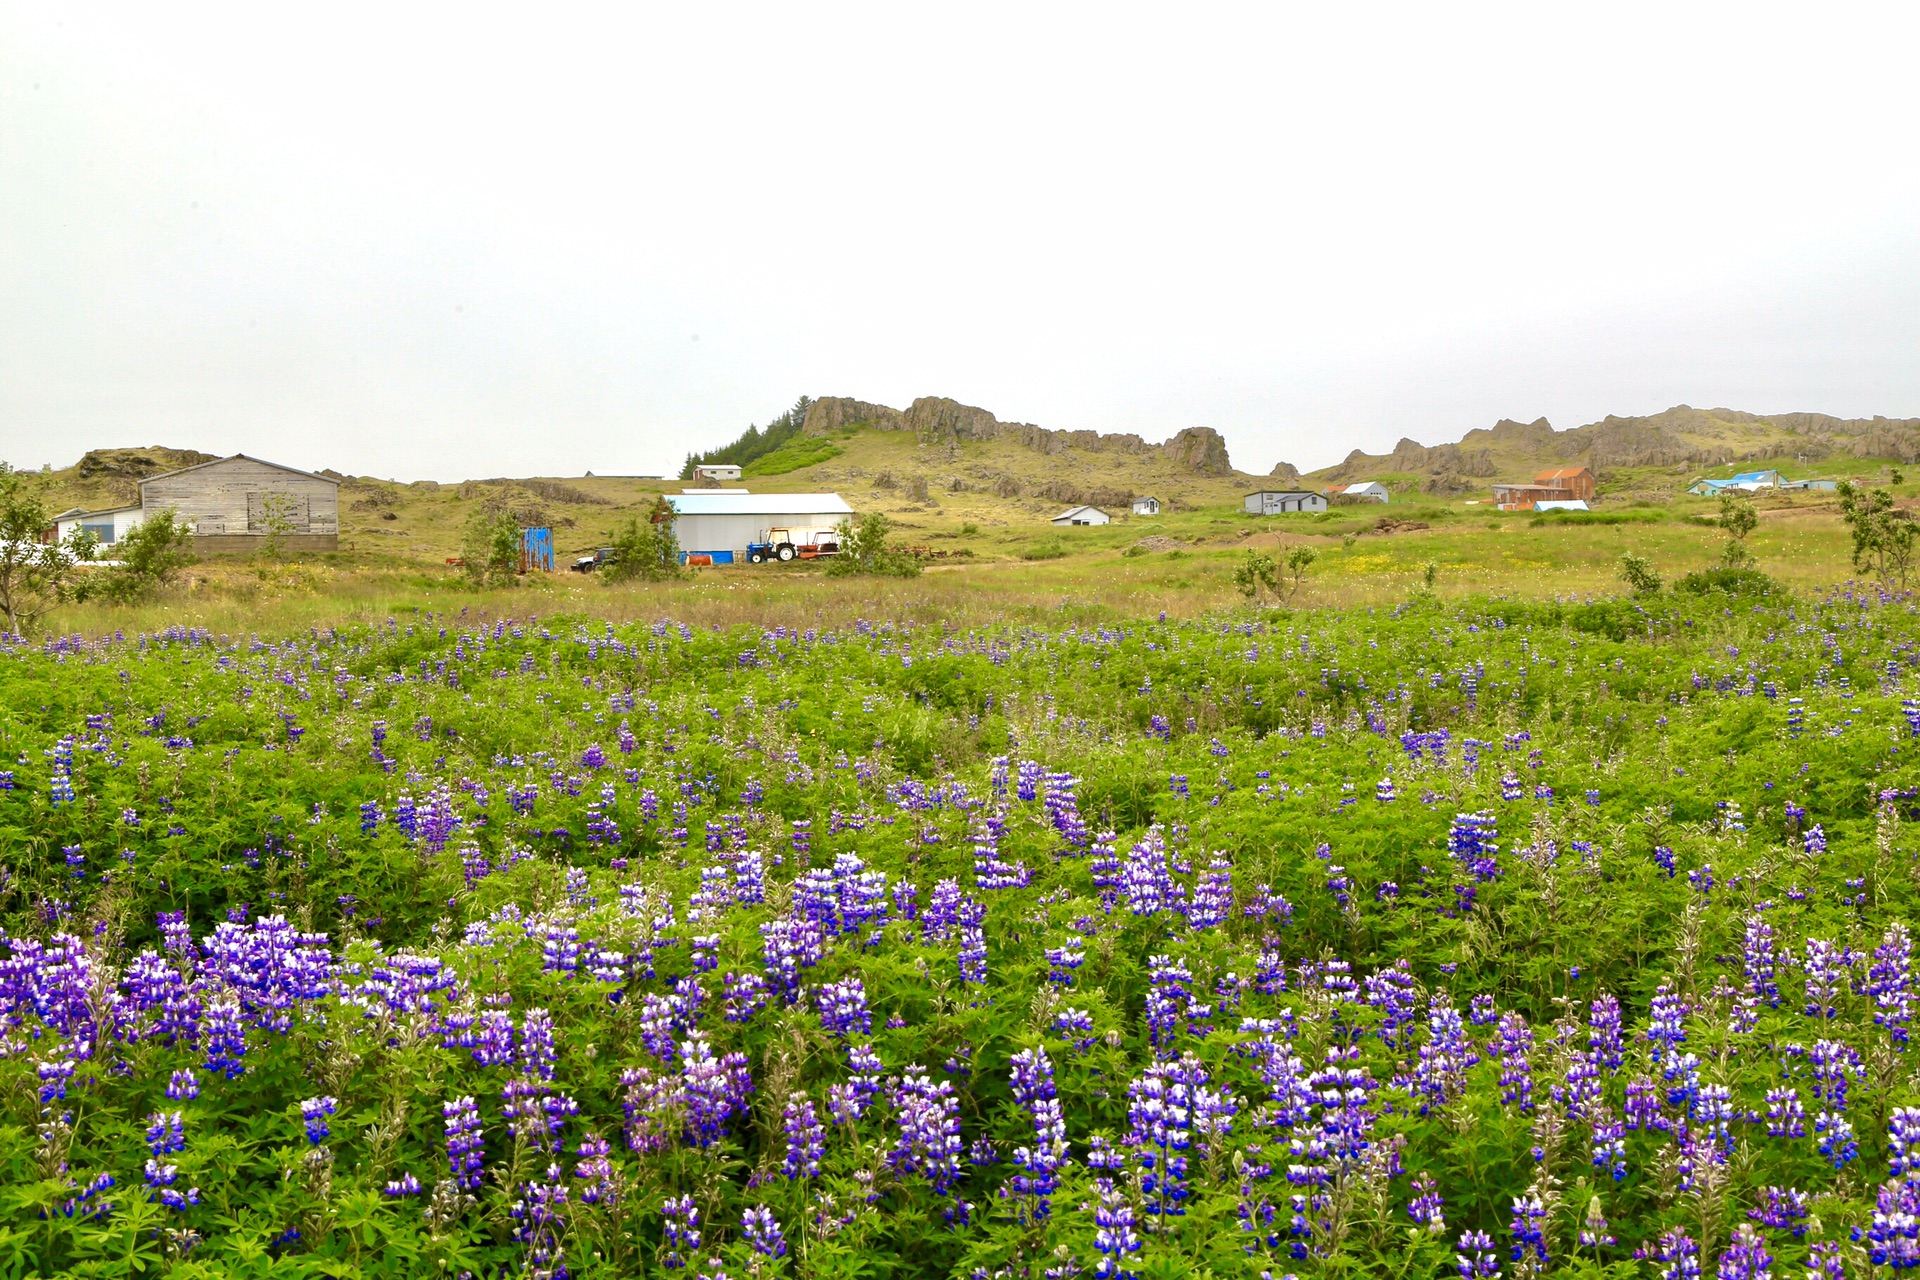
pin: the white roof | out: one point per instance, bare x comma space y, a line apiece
1363, 486
238, 457
1559, 504
740, 503
79, 513
1074, 511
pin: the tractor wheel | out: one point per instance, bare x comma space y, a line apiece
787, 553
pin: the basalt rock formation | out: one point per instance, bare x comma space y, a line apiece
1199, 449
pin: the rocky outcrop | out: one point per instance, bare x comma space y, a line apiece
1285, 471
937, 418
137, 464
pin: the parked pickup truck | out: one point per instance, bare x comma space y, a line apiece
794, 544
601, 556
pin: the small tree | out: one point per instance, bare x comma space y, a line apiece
35, 576
491, 546
647, 552
276, 516
1639, 575
864, 550
1255, 573
1299, 560
1738, 519
1882, 533
150, 555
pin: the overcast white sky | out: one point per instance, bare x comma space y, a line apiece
449, 241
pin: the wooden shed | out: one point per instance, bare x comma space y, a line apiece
234, 504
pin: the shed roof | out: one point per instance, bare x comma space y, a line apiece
81, 513
1283, 493
738, 503
1561, 473
240, 457
1074, 511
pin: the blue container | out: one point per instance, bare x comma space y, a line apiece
536, 550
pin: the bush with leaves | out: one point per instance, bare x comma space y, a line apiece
1639, 575
1882, 533
148, 558
1738, 519
649, 551
35, 576
864, 550
491, 546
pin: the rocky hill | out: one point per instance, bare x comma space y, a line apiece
935, 419
1682, 439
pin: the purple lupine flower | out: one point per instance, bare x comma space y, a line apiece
1890, 982
762, 1231
1169, 997
1746, 1257
1603, 1032
1786, 1116
1427, 1207
166, 1133
1061, 964
1476, 1259
1212, 895
1472, 842
1893, 1235
1825, 967
788, 946
1835, 1066
1666, 1023
806, 1140
1393, 992
1826, 1262
742, 996
1595, 1232
1782, 1209
1160, 1108
973, 943
540, 1215
1681, 1254
183, 1085
1834, 1135
715, 1089
314, 1113
1113, 1235
1512, 1043
1760, 961
1903, 1143
402, 1187
536, 1049
1445, 1058
1033, 1088
929, 1143
226, 1039
843, 1007
1815, 840
1528, 1234
464, 1142
595, 1170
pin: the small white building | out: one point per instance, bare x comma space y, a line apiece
715, 472
1146, 506
1083, 515
1277, 502
1371, 490
107, 527
1562, 504
720, 524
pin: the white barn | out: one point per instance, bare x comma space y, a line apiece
1148, 506
1083, 515
1274, 502
107, 527
716, 471
721, 524
1371, 490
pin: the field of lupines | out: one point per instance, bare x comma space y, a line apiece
1498, 938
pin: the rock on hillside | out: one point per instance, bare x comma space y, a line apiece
137, 463
1199, 449
1285, 472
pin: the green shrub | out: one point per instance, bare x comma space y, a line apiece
1045, 549
1733, 582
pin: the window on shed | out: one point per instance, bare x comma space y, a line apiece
102, 532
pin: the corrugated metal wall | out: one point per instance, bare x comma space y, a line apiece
733, 533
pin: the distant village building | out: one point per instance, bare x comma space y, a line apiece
1146, 506
1083, 515
1562, 484
233, 505
1275, 502
721, 525
1370, 490
1754, 482
715, 472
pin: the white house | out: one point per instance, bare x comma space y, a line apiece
108, 527
1146, 506
1083, 515
716, 471
1274, 502
721, 524
1371, 490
